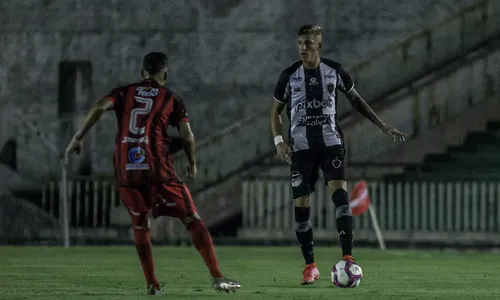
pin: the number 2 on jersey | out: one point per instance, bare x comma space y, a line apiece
139, 111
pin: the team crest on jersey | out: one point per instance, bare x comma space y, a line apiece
330, 87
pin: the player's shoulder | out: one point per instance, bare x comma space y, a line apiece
331, 63
127, 86
292, 68
173, 94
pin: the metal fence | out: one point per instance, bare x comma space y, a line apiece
422, 211
459, 212
95, 210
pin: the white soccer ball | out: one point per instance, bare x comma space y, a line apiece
346, 274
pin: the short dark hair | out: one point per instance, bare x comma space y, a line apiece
310, 29
154, 62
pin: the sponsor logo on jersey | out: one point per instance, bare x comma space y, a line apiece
146, 91
313, 104
313, 81
136, 157
315, 120
141, 140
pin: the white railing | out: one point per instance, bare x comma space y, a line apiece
94, 204
407, 211
90, 202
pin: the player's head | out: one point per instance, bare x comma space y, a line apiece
155, 66
309, 42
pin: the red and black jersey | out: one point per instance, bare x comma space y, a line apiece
143, 112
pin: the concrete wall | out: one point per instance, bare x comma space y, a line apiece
225, 55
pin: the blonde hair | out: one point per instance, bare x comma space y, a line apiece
310, 29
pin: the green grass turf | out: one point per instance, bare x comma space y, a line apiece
265, 273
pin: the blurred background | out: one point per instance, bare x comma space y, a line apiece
429, 67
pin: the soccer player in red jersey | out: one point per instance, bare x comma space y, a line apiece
146, 179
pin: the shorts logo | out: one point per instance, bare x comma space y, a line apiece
131, 210
296, 179
137, 156
336, 163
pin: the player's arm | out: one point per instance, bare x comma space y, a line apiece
179, 119
189, 141
279, 102
275, 119
346, 86
94, 115
277, 107
359, 104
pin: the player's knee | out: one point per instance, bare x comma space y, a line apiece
341, 200
302, 219
143, 222
303, 201
334, 185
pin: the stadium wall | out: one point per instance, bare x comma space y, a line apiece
464, 85
218, 49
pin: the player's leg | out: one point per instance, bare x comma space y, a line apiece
202, 241
303, 178
185, 210
138, 210
333, 166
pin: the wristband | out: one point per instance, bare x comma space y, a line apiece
278, 139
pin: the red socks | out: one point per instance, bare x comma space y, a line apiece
144, 249
203, 243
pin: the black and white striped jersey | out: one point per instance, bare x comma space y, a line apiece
311, 98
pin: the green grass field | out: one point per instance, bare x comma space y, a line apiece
265, 273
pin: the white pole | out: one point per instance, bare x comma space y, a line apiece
378, 232
64, 199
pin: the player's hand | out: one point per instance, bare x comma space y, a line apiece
75, 145
191, 170
284, 152
397, 135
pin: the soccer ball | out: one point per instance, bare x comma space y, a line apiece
346, 274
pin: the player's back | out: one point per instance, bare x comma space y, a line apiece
143, 111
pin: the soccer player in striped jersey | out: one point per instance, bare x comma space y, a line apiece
309, 89
145, 176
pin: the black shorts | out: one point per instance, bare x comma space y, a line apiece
306, 164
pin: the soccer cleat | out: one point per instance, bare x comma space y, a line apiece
153, 291
225, 284
310, 274
348, 257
